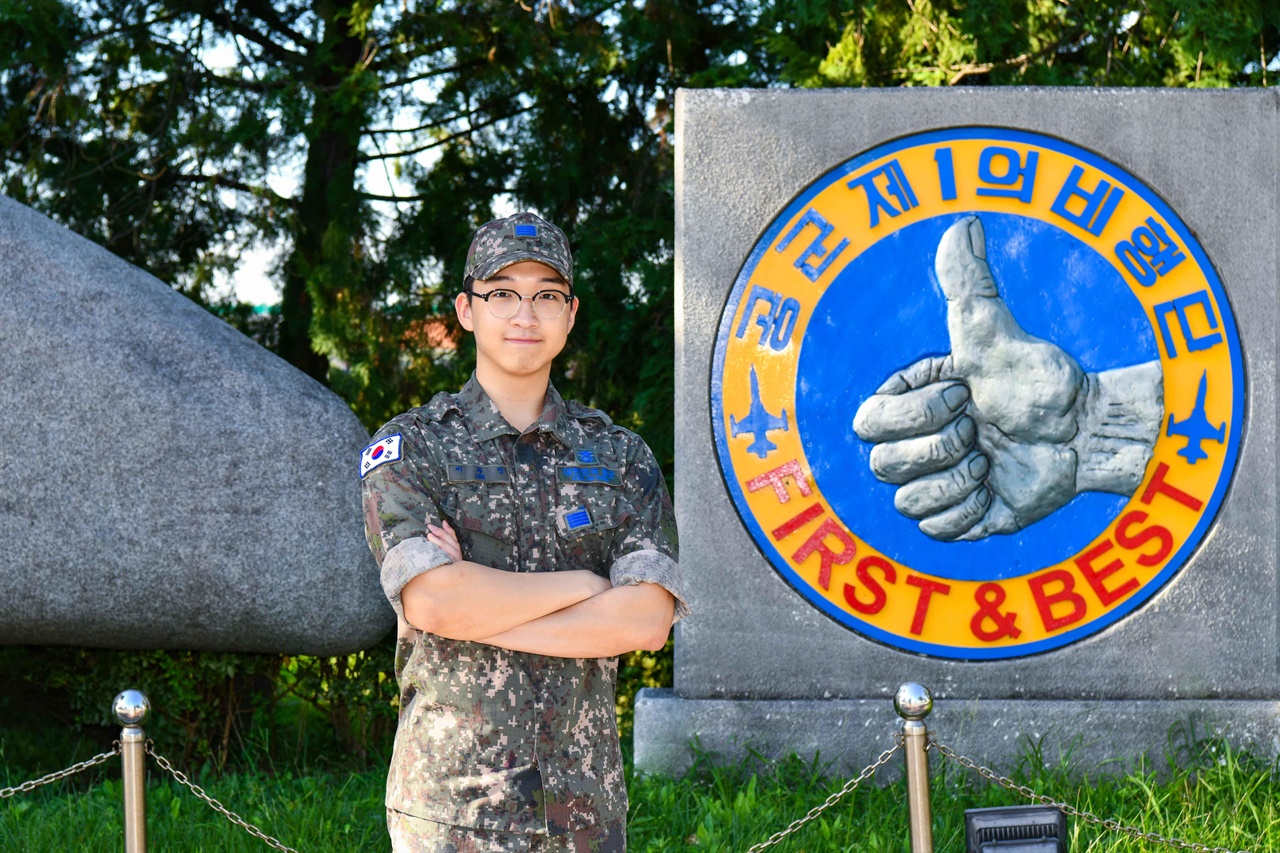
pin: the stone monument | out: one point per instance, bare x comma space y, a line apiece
168, 482
976, 388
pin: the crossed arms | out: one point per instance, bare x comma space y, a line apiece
572, 614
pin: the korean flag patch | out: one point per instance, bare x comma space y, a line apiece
379, 453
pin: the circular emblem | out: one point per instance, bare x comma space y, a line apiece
977, 393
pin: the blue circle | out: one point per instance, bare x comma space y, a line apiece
885, 310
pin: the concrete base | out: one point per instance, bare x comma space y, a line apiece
1099, 736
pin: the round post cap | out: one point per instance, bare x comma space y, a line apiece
131, 707
913, 701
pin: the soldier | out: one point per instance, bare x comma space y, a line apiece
524, 542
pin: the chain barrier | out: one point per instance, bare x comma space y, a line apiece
212, 803
1070, 810
27, 787
1108, 824
834, 798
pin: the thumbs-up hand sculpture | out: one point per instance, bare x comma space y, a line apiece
1008, 427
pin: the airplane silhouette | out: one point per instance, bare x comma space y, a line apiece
758, 422
1196, 427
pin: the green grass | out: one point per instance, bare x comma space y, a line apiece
1222, 799
314, 813
1228, 800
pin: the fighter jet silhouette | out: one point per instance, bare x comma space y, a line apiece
758, 422
1196, 427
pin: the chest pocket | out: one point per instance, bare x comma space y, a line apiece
587, 522
483, 516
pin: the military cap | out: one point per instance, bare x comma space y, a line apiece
521, 237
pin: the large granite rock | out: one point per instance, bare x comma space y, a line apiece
168, 482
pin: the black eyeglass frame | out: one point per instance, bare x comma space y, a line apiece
564, 305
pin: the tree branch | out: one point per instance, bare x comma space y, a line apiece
432, 125
222, 16
365, 158
429, 74
959, 72
140, 25
405, 59
244, 85
396, 198
423, 197
228, 183
268, 15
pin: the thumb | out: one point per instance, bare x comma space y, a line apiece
977, 318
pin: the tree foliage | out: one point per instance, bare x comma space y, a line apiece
1176, 43
180, 132
368, 139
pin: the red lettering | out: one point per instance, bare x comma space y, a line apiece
1159, 486
927, 589
829, 558
1045, 600
1097, 577
1142, 537
865, 565
785, 529
990, 598
777, 478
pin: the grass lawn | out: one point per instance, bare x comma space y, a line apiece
1226, 799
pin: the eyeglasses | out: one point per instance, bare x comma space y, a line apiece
505, 304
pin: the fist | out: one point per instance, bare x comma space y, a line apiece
980, 441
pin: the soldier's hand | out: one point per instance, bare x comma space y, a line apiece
444, 536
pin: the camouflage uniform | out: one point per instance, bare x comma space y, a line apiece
488, 738
413, 833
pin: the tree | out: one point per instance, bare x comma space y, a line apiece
1025, 42
179, 132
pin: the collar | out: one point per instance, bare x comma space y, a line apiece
487, 422
482, 415
556, 420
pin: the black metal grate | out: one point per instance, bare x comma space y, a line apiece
1015, 829
1018, 833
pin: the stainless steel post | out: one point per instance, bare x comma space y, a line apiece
131, 709
913, 702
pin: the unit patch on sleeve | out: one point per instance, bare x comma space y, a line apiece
379, 453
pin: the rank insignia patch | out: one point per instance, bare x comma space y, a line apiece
574, 518
379, 453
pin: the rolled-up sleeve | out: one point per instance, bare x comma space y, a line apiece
652, 567
646, 549
398, 506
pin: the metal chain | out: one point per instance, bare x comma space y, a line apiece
27, 787
1072, 811
834, 798
214, 804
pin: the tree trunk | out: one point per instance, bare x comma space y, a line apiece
323, 261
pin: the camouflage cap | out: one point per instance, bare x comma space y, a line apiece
522, 237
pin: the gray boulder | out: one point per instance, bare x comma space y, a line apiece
168, 483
